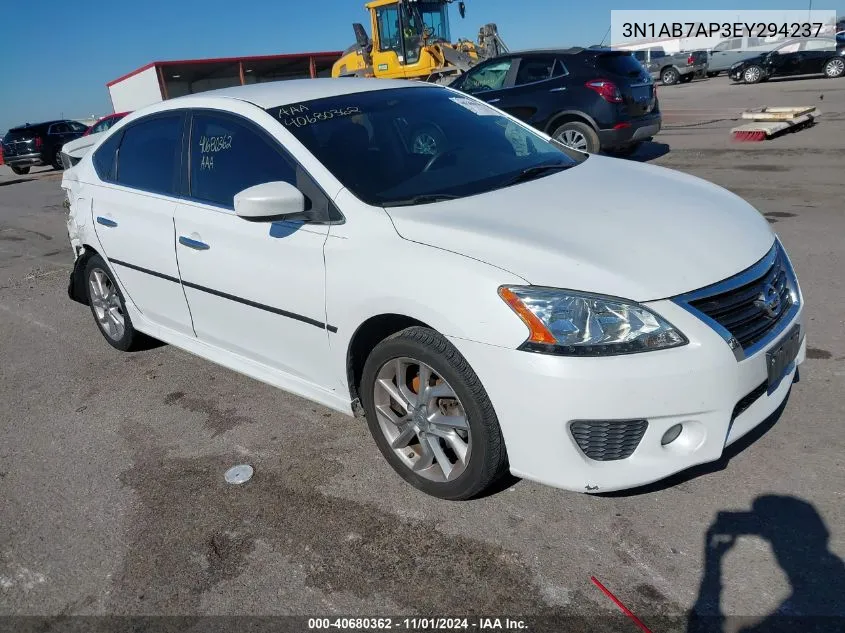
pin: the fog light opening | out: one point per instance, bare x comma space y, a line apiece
671, 434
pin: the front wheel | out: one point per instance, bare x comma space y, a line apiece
834, 68
579, 136
20, 171
752, 75
431, 417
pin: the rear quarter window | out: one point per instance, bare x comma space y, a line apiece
148, 158
104, 157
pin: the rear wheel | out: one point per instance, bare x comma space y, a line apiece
431, 417
108, 307
834, 68
752, 75
578, 136
669, 76
57, 159
20, 171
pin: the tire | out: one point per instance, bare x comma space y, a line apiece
834, 68
687, 78
408, 427
57, 159
109, 300
752, 75
579, 136
623, 151
669, 76
20, 171
427, 141
714, 73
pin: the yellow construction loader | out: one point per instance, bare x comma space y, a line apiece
411, 40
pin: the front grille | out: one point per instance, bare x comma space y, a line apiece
748, 400
751, 310
608, 440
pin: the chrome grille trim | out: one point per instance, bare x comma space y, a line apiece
774, 268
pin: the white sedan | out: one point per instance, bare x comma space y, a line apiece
504, 304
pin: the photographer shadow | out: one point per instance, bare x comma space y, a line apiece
799, 539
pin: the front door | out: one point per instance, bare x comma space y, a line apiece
256, 289
489, 81
133, 216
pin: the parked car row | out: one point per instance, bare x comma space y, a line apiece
40, 144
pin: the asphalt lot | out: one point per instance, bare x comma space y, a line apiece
112, 498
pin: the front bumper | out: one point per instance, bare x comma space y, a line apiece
641, 129
699, 385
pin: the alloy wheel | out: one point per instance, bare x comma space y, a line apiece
573, 139
106, 304
422, 419
835, 68
752, 74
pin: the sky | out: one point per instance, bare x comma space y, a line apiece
58, 56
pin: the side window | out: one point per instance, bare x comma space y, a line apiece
59, 128
148, 157
104, 157
640, 55
819, 45
534, 69
76, 126
102, 126
388, 28
721, 46
490, 77
228, 156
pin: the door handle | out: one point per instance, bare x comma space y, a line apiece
195, 244
106, 221
493, 100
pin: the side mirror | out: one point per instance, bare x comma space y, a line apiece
271, 201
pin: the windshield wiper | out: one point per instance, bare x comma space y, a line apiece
536, 171
421, 199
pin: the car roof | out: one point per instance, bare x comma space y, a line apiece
276, 93
575, 50
29, 126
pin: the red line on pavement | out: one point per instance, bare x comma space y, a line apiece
619, 604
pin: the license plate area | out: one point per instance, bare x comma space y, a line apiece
779, 359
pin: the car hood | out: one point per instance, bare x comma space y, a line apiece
79, 147
607, 226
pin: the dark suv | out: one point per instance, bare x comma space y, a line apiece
39, 144
589, 99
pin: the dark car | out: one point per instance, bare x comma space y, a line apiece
37, 144
588, 99
793, 57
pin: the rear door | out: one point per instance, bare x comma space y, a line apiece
815, 53
638, 95
787, 59
133, 215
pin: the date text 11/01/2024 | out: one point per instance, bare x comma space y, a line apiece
725, 30
418, 624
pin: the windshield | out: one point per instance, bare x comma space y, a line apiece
391, 146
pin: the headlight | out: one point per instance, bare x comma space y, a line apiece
572, 323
